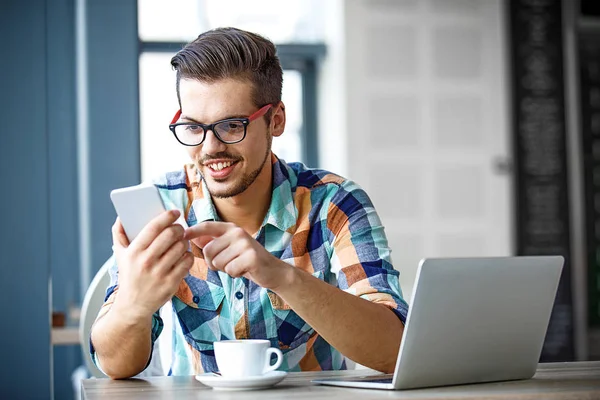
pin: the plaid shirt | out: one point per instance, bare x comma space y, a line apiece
318, 222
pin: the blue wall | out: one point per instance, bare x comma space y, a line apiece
113, 52
24, 175
38, 170
62, 176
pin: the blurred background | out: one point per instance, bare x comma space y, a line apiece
474, 125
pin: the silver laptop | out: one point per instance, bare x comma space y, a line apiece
472, 320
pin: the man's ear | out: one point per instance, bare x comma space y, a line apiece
278, 119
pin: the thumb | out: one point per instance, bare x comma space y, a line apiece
118, 235
202, 241
198, 244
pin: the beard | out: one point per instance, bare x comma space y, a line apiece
245, 181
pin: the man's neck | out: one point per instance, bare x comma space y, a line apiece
248, 209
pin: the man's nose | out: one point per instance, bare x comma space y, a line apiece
211, 144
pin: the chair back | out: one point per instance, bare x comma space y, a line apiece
92, 302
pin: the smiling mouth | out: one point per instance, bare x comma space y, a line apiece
220, 165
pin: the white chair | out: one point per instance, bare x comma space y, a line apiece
92, 302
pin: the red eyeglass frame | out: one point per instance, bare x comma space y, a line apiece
206, 127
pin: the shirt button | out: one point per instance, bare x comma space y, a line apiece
239, 295
196, 299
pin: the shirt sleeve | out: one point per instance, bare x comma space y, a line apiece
360, 256
111, 292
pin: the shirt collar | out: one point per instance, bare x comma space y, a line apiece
282, 212
202, 204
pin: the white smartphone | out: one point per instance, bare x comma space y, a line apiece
137, 205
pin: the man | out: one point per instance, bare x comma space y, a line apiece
282, 252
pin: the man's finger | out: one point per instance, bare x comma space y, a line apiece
165, 240
235, 269
207, 228
222, 253
201, 241
209, 263
154, 228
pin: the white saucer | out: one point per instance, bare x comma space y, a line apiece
249, 383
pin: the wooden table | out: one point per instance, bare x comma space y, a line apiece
577, 380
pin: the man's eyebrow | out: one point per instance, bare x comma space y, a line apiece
227, 117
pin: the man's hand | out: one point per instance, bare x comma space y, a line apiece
228, 248
152, 266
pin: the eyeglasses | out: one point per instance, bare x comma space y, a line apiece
228, 131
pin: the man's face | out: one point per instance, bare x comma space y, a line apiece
228, 169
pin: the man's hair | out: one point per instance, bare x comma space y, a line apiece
232, 53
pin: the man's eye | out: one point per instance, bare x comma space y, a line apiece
193, 128
232, 126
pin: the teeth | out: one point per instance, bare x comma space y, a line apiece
220, 166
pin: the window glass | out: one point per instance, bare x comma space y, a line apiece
289, 145
160, 151
173, 20
183, 20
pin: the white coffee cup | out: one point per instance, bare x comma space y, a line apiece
247, 357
